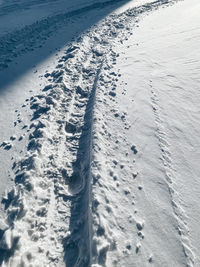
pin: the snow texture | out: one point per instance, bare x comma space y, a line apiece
100, 164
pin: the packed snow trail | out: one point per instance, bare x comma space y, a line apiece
81, 196
23, 76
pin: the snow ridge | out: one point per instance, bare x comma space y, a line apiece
49, 208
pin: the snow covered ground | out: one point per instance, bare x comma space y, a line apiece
99, 104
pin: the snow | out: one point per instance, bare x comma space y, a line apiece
99, 133
139, 85
27, 66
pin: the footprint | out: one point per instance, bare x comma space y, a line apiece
70, 127
111, 93
12, 138
6, 145
138, 246
134, 175
150, 259
134, 149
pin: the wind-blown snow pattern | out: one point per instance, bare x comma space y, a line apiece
96, 180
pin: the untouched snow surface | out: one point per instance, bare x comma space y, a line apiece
100, 133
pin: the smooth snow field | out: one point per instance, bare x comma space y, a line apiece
100, 133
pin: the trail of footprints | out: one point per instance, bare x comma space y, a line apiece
111, 174
170, 175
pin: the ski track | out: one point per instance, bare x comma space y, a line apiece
52, 214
